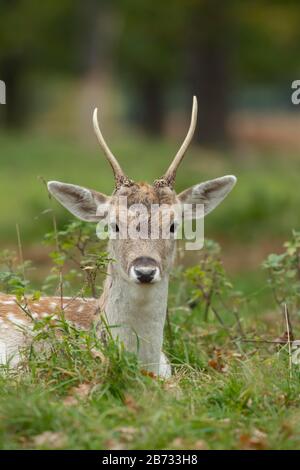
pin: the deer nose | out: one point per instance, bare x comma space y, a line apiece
145, 270
145, 274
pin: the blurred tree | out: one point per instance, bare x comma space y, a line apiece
204, 47
184, 44
267, 46
40, 38
236, 46
208, 48
95, 35
208, 44
31, 38
148, 50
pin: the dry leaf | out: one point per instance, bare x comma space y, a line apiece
218, 365
177, 443
54, 440
287, 428
82, 390
127, 433
225, 420
24, 441
130, 402
200, 445
97, 354
110, 444
214, 364
146, 373
78, 393
70, 401
258, 440
180, 443
217, 361
249, 402
172, 386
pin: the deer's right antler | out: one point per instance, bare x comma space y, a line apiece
120, 178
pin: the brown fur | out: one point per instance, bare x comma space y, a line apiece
80, 311
144, 193
127, 250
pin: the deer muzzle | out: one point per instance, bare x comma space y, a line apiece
144, 270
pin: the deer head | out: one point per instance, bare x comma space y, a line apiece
141, 259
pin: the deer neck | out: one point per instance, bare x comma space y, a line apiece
137, 314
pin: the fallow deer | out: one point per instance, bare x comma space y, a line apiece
135, 292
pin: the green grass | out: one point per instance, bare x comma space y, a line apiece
224, 395
225, 392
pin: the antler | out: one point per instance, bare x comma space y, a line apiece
170, 175
120, 178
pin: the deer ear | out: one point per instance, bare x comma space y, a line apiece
210, 193
86, 204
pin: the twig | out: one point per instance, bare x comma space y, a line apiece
286, 317
60, 268
277, 300
209, 297
239, 324
278, 341
21, 258
288, 324
25, 309
220, 320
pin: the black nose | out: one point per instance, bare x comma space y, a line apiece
145, 269
145, 274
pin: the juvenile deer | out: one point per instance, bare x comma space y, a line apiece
135, 293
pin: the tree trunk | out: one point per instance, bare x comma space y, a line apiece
90, 42
208, 70
13, 113
150, 112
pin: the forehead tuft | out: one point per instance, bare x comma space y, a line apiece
144, 193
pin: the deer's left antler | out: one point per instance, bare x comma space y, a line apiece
169, 177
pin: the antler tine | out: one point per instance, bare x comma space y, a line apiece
169, 177
120, 177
